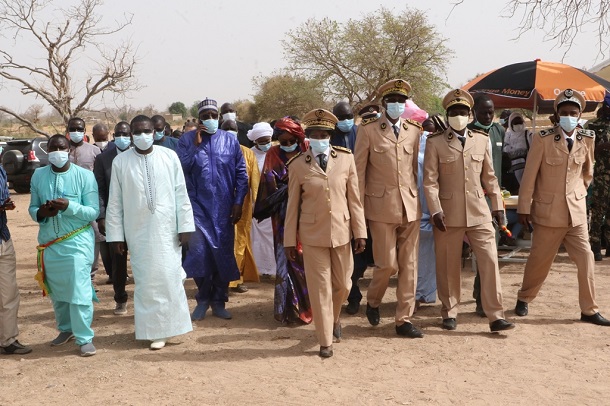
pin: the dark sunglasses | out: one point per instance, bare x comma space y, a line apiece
288, 142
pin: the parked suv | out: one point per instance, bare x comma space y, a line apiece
20, 159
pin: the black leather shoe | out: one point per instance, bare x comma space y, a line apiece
500, 325
596, 318
337, 333
598, 256
326, 352
372, 313
408, 330
449, 324
521, 308
352, 307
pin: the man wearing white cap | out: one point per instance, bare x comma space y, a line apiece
552, 197
262, 232
217, 184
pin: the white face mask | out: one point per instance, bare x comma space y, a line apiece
101, 144
229, 116
458, 123
518, 128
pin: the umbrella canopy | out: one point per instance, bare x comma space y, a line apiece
534, 85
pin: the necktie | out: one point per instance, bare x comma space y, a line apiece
570, 143
462, 140
396, 130
322, 161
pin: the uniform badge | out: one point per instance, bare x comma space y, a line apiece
383, 126
371, 109
450, 136
470, 134
398, 84
320, 113
333, 154
404, 125
308, 158
579, 137
457, 93
568, 93
557, 137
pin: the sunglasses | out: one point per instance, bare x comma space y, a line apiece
76, 129
288, 142
121, 134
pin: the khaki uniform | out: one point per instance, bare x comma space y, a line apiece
455, 178
387, 176
324, 208
553, 192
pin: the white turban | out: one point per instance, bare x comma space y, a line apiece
260, 130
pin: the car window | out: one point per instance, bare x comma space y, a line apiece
43, 146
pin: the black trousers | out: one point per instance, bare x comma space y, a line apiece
119, 277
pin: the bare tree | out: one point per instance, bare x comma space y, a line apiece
563, 20
58, 80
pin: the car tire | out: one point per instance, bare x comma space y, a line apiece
13, 161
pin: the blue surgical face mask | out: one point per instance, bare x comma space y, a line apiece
484, 127
290, 148
143, 141
76, 136
264, 147
395, 110
229, 116
158, 135
122, 143
319, 146
211, 125
345, 125
232, 132
502, 121
58, 158
568, 123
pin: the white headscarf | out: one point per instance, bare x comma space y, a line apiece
515, 144
260, 130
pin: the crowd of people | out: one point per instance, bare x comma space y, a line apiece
311, 202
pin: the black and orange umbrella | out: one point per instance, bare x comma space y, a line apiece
534, 85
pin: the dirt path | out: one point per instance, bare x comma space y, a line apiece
550, 358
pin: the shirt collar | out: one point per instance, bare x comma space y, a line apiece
327, 152
566, 136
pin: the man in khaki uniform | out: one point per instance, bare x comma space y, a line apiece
386, 158
324, 208
457, 167
552, 196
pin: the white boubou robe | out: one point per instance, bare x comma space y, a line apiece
148, 207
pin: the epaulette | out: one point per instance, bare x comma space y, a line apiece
586, 133
343, 149
415, 123
474, 130
548, 131
369, 120
435, 134
293, 158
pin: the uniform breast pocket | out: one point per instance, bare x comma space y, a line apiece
477, 162
448, 164
579, 161
553, 166
380, 156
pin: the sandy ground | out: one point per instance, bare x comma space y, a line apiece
550, 358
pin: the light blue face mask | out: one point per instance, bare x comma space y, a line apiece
211, 125
158, 135
319, 146
58, 158
395, 110
568, 123
264, 147
122, 143
76, 136
143, 141
232, 132
290, 148
484, 127
345, 125
502, 121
